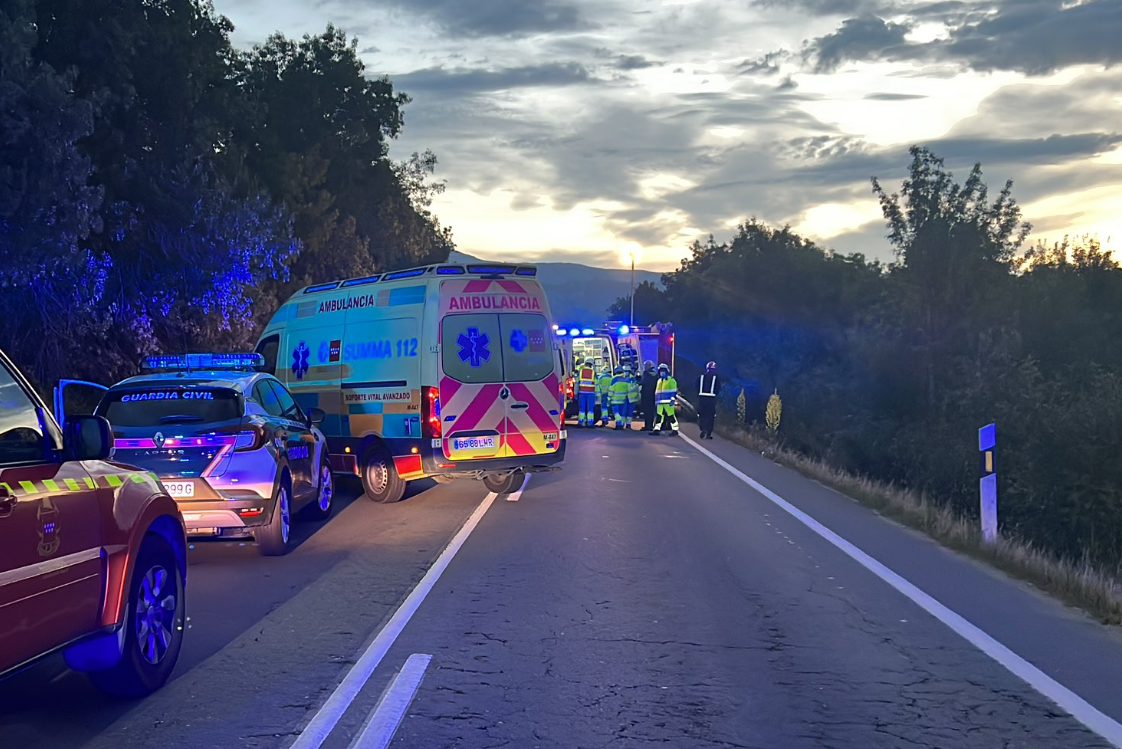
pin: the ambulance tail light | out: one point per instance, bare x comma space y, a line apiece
430, 413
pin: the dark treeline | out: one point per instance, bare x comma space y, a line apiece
890, 369
161, 190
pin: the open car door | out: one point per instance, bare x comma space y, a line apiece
76, 397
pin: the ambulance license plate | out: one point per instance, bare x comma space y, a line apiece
473, 443
180, 488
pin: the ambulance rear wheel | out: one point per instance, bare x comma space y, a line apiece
380, 480
503, 484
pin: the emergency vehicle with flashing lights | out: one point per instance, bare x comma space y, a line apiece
583, 344
229, 443
444, 371
93, 553
614, 343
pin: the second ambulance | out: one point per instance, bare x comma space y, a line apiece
442, 371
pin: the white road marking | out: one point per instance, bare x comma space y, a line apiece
517, 495
387, 715
324, 721
1068, 700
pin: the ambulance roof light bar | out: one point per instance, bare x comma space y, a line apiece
182, 362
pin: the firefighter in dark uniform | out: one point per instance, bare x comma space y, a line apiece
707, 392
647, 394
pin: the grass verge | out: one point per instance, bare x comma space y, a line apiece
1076, 583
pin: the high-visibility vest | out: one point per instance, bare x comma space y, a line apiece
635, 393
604, 383
708, 389
666, 391
620, 387
586, 381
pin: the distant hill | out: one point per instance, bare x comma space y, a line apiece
579, 294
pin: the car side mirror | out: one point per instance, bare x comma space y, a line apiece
316, 415
87, 438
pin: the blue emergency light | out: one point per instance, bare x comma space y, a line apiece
178, 362
574, 331
588, 331
561, 332
489, 270
624, 330
360, 281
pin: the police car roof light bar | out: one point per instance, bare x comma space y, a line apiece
178, 362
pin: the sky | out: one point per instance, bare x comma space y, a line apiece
584, 129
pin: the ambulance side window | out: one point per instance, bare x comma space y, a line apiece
268, 348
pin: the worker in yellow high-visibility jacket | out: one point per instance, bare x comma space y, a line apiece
619, 396
666, 399
634, 395
604, 387
588, 392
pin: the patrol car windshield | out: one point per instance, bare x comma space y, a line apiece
158, 405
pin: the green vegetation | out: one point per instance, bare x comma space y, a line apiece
889, 370
161, 190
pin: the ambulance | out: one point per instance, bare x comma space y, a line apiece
442, 371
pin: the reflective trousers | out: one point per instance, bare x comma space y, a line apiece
666, 418
622, 413
586, 408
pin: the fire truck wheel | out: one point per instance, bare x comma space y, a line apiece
153, 624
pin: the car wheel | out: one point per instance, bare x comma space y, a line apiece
380, 479
273, 539
325, 496
503, 483
153, 624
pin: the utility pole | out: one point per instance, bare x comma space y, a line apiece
631, 322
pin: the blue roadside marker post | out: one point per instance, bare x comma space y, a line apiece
987, 445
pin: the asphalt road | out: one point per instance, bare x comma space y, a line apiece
644, 595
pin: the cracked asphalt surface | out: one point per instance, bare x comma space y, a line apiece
642, 596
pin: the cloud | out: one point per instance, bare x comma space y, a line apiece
633, 62
1035, 37
891, 96
827, 7
467, 81
487, 18
867, 37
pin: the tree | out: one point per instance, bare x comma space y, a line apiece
650, 305
318, 141
955, 250
51, 283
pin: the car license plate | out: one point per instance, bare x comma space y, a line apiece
473, 443
180, 488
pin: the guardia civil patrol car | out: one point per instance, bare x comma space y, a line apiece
229, 443
443, 371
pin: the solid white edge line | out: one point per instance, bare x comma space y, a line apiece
517, 495
1068, 700
327, 717
387, 715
